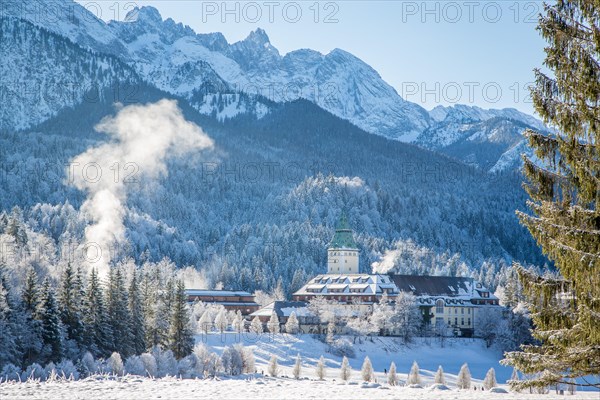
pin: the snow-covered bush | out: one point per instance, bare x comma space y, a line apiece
490, 379
463, 380
248, 363
345, 370
186, 367
34, 371
134, 366
366, 371
273, 366
67, 370
231, 360
207, 362
414, 378
342, 348
149, 362
88, 366
320, 368
392, 376
10, 372
439, 376
114, 364
50, 372
166, 365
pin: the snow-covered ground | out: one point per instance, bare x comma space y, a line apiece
428, 353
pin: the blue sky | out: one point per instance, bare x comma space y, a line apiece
433, 52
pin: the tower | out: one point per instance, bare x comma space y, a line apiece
342, 253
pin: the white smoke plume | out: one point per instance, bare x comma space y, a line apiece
142, 138
387, 262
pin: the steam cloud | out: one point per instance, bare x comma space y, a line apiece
387, 262
142, 138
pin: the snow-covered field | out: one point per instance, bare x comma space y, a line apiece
428, 353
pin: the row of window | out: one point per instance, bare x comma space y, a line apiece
440, 320
344, 253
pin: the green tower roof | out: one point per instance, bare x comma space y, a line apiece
343, 235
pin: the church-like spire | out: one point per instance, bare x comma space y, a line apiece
343, 238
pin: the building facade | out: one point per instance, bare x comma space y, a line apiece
231, 300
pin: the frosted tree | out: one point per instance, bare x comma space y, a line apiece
137, 325
118, 313
273, 366
366, 371
31, 341
439, 376
345, 370
273, 324
51, 326
320, 368
97, 332
392, 375
463, 380
205, 322
414, 377
115, 364
70, 304
292, 325
8, 334
232, 361
297, 367
405, 318
221, 321
238, 322
256, 325
181, 339
490, 379
564, 193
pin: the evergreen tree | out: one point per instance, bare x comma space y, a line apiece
414, 378
345, 370
69, 304
31, 338
292, 325
221, 320
320, 368
149, 310
238, 322
297, 367
137, 323
118, 314
463, 380
165, 311
490, 379
181, 339
256, 325
273, 366
8, 334
565, 193
439, 376
273, 324
51, 328
392, 375
97, 333
366, 371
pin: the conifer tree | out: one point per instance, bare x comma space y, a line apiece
292, 325
490, 379
48, 315
345, 370
463, 380
238, 322
565, 192
8, 334
273, 324
392, 375
118, 313
165, 310
137, 323
273, 366
256, 325
414, 378
439, 376
181, 339
297, 367
320, 368
97, 333
367, 370
30, 294
69, 303
30, 342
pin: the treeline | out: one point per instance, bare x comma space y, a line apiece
126, 314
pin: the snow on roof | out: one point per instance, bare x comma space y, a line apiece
216, 293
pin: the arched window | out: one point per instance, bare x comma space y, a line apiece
439, 306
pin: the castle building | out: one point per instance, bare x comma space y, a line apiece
342, 252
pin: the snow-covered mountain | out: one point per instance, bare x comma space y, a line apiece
247, 77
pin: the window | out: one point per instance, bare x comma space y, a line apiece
455, 310
469, 321
462, 310
439, 306
462, 321
455, 321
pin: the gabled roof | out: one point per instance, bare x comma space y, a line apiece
438, 285
282, 309
216, 293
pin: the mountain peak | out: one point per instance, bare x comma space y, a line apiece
146, 14
258, 36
